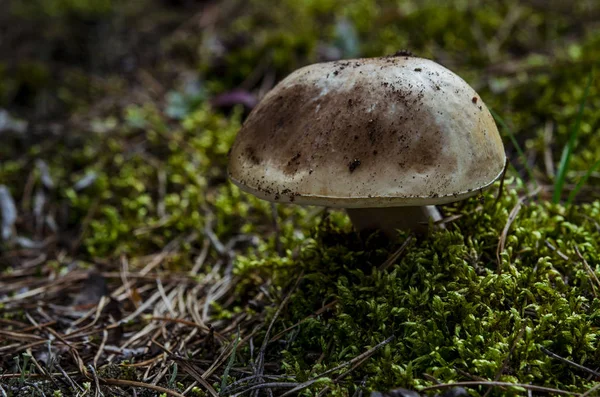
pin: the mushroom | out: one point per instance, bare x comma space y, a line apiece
385, 138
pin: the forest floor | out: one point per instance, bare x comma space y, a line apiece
130, 265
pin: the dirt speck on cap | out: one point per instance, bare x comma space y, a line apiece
403, 53
353, 165
251, 155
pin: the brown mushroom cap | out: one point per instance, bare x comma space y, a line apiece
374, 132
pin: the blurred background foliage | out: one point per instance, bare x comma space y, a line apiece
519, 54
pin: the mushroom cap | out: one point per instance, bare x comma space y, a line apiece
371, 132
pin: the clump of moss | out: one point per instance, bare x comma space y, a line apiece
454, 314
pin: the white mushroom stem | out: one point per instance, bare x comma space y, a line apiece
391, 219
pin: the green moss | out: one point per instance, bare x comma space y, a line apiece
458, 309
451, 312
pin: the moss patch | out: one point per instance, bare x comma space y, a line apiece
109, 186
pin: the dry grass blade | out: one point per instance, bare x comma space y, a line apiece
225, 355
74, 352
230, 363
67, 376
500, 384
317, 313
595, 281
591, 390
505, 362
190, 369
41, 369
238, 383
163, 295
193, 372
259, 366
131, 383
394, 257
47, 288
97, 392
569, 362
201, 327
19, 336
511, 218
558, 252
101, 348
356, 360
502, 241
269, 385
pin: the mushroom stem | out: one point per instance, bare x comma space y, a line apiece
391, 219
